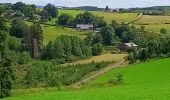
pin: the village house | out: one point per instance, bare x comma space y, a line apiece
127, 46
14, 14
84, 27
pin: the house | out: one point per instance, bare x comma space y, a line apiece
127, 46
84, 27
14, 14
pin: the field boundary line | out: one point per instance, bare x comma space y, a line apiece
96, 74
139, 17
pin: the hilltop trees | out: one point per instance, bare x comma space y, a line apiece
52, 10
89, 18
28, 10
65, 19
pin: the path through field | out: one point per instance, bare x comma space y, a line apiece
93, 75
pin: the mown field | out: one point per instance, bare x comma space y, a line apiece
108, 16
154, 23
107, 57
145, 81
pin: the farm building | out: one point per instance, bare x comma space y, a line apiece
14, 14
127, 46
84, 27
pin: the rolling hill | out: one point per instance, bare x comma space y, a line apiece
145, 81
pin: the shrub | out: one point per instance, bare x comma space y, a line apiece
24, 58
162, 56
50, 75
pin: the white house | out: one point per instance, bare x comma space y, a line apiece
84, 27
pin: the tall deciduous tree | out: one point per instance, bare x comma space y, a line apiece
37, 39
52, 10
108, 34
6, 74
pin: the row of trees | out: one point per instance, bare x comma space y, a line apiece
50, 75
66, 49
155, 48
32, 37
82, 18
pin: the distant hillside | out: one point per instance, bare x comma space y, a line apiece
39, 6
89, 8
154, 8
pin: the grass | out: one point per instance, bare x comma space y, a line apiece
108, 16
107, 57
52, 32
154, 23
145, 81
149, 19
155, 27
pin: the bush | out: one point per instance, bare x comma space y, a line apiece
50, 75
154, 56
24, 58
162, 56
97, 49
118, 80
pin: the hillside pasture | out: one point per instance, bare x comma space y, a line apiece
145, 81
52, 32
154, 23
108, 16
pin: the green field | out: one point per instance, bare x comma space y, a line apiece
145, 81
108, 16
154, 23
52, 32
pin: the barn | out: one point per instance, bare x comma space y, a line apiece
84, 27
127, 46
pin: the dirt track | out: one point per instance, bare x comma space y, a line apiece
94, 75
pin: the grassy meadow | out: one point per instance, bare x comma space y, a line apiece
145, 81
52, 32
107, 57
108, 16
154, 23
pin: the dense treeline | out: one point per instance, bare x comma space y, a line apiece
66, 49
48, 74
82, 18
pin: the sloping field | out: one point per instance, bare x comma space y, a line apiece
154, 23
108, 57
148, 19
119, 17
52, 32
108, 16
145, 81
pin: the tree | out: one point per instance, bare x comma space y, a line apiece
107, 8
108, 34
163, 31
52, 10
65, 19
44, 15
19, 6
97, 49
36, 39
143, 54
6, 74
19, 28
85, 18
3, 25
